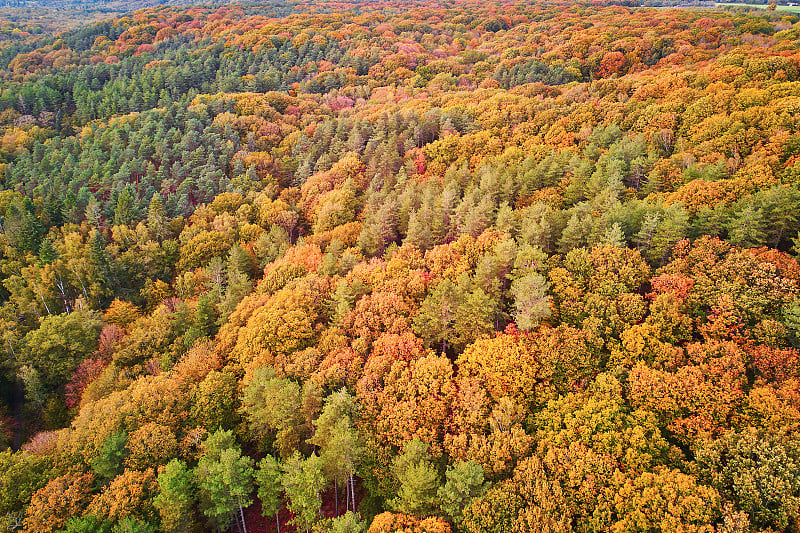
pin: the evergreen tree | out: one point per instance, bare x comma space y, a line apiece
531, 302
108, 463
746, 228
125, 211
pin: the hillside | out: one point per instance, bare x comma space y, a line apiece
434, 267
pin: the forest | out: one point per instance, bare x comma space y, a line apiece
429, 266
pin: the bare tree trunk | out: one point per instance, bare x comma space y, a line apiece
41, 295
336, 496
278, 522
352, 493
244, 524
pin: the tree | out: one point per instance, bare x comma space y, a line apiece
418, 478
275, 404
437, 315
125, 211
531, 301
215, 401
150, 446
759, 474
349, 522
62, 498
340, 443
21, 475
270, 487
666, 500
157, 217
224, 479
175, 499
88, 523
464, 481
303, 480
60, 343
129, 495
454, 315
746, 228
108, 462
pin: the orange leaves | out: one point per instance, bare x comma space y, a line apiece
129, 494
60, 499
414, 401
775, 365
375, 314
612, 63
698, 399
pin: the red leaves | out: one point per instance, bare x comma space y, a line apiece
86, 372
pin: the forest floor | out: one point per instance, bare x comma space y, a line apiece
257, 523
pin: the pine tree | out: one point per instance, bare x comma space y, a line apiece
434, 323
746, 228
531, 302
108, 462
125, 211
157, 217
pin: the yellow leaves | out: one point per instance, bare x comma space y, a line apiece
401, 523
665, 500
202, 247
592, 280
269, 210
506, 366
151, 445
336, 207
285, 323
227, 202
121, 314
774, 408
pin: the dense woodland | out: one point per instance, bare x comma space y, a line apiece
432, 267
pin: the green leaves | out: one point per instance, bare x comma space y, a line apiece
758, 473
60, 343
419, 480
175, 500
303, 481
464, 481
454, 315
531, 301
224, 478
108, 462
270, 486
